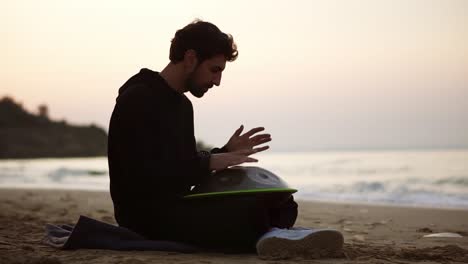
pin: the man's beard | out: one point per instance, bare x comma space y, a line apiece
196, 90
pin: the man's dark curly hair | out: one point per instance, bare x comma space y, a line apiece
205, 39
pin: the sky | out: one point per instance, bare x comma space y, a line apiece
318, 75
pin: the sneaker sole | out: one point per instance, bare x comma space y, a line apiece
323, 243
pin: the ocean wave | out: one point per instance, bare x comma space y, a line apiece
60, 173
387, 192
410, 178
454, 180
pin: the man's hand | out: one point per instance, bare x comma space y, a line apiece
248, 140
222, 161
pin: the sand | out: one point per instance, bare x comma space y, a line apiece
373, 233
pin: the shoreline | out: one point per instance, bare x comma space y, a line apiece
336, 202
274, 152
373, 233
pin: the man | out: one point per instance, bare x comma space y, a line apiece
153, 160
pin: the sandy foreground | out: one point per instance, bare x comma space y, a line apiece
373, 233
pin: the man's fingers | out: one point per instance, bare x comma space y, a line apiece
241, 159
260, 139
261, 136
263, 140
249, 159
244, 152
239, 131
253, 131
225, 160
248, 152
261, 149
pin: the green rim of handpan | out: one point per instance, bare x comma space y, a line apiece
289, 190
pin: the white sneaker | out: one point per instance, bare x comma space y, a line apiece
299, 242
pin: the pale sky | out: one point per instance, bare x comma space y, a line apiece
317, 74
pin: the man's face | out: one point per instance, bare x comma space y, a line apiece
205, 75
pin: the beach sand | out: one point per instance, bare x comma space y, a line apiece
373, 233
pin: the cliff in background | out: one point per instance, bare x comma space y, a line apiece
27, 135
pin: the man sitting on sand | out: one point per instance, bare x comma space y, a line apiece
153, 160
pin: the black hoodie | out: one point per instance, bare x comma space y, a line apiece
152, 155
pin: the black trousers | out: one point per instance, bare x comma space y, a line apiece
231, 224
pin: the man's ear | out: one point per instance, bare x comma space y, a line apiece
190, 60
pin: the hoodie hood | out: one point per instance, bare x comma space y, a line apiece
145, 76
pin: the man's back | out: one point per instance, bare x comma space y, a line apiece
151, 147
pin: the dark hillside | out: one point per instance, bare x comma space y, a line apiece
27, 135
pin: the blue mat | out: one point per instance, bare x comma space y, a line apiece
93, 234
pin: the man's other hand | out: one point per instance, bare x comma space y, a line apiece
248, 140
222, 161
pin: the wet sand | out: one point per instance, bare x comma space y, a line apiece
373, 233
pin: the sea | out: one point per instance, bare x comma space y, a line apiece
421, 178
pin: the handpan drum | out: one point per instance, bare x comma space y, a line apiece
241, 181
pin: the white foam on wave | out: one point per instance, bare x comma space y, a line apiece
438, 179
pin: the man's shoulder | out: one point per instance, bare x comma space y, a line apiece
144, 84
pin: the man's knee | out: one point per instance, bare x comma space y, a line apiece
285, 215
